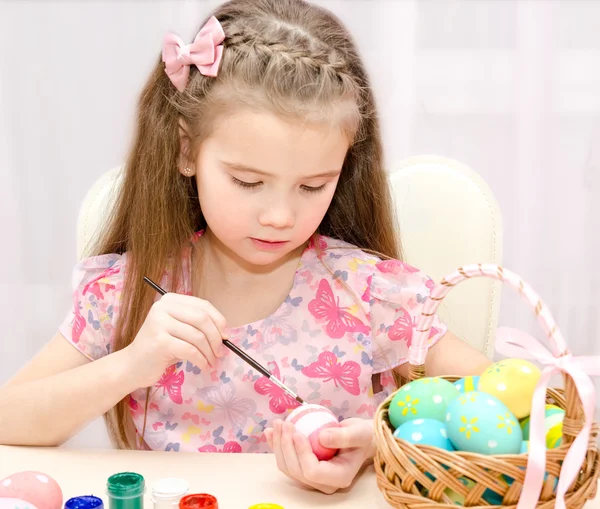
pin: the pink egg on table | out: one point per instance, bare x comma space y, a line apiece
30, 490
310, 420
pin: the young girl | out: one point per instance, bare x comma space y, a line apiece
255, 192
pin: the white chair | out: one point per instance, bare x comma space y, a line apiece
95, 208
447, 215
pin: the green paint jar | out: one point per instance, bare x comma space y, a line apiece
125, 490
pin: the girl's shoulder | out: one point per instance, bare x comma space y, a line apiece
339, 254
109, 266
343, 256
97, 277
97, 284
384, 278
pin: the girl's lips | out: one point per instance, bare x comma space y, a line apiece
268, 244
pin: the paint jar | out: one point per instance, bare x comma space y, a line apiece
125, 490
167, 492
199, 501
85, 502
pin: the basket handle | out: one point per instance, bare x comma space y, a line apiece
418, 349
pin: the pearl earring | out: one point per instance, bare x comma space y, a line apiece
188, 172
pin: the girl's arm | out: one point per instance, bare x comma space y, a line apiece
59, 392
451, 356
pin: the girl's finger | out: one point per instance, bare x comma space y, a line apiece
193, 336
279, 457
322, 475
269, 436
289, 452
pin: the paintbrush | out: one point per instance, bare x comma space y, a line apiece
243, 355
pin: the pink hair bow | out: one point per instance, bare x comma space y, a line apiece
205, 53
514, 343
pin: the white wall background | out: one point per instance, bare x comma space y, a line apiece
511, 88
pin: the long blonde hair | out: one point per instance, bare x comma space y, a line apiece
290, 56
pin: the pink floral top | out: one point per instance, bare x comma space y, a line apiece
324, 342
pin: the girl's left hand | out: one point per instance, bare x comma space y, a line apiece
355, 441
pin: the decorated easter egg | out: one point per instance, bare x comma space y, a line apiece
494, 498
467, 384
310, 420
425, 432
553, 421
524, 447
30, 490
426, 398
455, 497
478, 422
489, 496
513, 382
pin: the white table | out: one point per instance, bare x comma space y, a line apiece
237, 480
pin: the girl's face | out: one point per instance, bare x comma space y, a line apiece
265, 184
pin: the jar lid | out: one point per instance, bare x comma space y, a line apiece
85, 502
199, 501
169, 487
125, 485
266, 506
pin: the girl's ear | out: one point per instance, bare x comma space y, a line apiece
186, 164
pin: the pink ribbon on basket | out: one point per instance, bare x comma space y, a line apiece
515, 343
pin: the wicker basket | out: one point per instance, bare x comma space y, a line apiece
401, 467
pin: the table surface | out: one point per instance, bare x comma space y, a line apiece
237, 480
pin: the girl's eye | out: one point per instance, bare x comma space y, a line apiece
309, 189
241, 183
251, 185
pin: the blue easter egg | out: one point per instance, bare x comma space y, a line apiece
481, 423
467, 384
425, 432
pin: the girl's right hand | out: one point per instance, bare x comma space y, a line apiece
178, 327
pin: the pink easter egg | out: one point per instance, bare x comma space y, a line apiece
310, 420
36, 489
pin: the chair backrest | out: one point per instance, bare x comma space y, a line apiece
447, 215
95, 208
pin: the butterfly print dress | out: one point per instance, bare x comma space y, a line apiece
348, 316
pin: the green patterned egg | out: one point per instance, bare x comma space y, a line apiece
481, 423
426, 398
553, 421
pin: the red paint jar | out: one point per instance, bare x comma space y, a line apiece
198, 501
